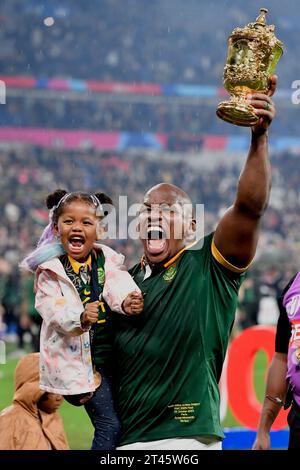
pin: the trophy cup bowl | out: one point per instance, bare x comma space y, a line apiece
253, 53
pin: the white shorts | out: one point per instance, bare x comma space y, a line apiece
178, 443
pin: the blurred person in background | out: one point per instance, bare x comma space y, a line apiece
271, 285
11, 300
4, 271
249, 298
30, 319
32, 421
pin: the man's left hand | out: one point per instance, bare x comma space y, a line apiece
264, 107
133, 303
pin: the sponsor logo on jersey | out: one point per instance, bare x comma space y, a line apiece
293, 306
295, 336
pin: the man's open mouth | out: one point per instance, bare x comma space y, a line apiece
156, 239
155, 233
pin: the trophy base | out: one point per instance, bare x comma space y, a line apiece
237, 112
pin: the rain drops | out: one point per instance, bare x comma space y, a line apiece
49, 21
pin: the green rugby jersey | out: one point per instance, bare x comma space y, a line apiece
169, 358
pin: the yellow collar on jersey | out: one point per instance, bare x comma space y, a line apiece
76, 265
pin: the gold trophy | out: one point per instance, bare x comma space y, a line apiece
253, 52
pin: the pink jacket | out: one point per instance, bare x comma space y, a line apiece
65, 354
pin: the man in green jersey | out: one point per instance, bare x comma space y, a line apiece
169, 358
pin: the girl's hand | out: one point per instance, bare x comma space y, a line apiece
90, 314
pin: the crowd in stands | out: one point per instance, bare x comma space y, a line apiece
172, 117
162, 41
28, 174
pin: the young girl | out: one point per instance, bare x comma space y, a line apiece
72, 273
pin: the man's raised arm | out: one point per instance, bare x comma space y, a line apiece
236, 235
